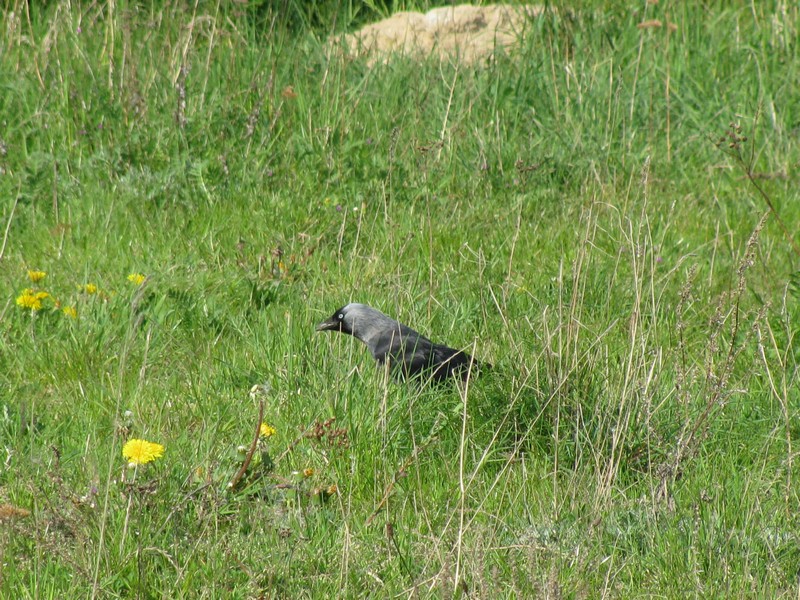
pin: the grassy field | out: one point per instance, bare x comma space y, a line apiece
607, 216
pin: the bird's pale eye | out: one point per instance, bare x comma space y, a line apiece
341, 316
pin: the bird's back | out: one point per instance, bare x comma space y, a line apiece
415, 355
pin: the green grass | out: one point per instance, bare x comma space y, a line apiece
565, 210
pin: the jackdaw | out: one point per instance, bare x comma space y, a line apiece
410, 354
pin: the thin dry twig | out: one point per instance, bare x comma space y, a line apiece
240, 473
731, 143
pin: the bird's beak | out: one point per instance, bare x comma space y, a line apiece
327, 325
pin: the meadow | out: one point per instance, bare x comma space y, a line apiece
607, 214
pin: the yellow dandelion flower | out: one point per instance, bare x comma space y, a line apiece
136, 278
27, 300
141, 452
31, 300
267, 430
308, 472
36, 276
90, 288
70, 311
332, 489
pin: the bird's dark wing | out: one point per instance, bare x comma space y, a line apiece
413, 355
402, 346
448, 361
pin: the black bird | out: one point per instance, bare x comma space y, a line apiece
409, 354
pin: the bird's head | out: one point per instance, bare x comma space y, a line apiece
342, 320
358, 320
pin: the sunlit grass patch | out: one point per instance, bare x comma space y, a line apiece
189, 189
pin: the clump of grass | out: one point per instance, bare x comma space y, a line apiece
730, 331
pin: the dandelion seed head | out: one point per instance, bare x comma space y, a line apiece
260, 389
